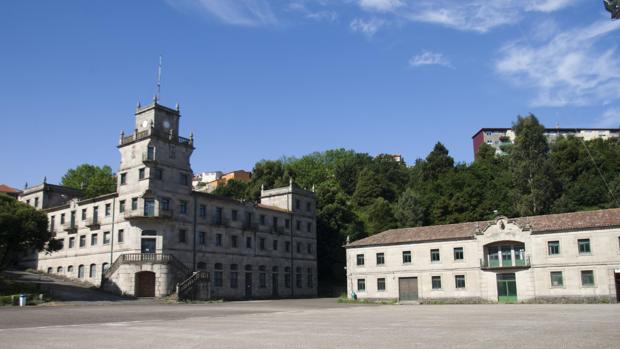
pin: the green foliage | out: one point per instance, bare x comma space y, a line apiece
93, 180
233, 188
22, 228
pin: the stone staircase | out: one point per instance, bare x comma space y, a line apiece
195, 287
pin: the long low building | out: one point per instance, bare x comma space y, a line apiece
551, 258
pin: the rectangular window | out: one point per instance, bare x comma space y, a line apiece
308, 206
183, 207
234, 282
262, 279
298, 278
36, 202
361, 285
82, 240
360, 259
553, 247
587, 278
248, 242
234, 214
406, 257
165, 204
134, 204
435, 257
458, 254
202, 238
584, 246
287, 223
297, 204
93, 239
262, 219
274, 222
159, 174
83, 214
141, 173
556, 279
298, 225
310, 279
120, 236
459, 281
275, 245
299, 247
381, 284
287, 246
106, 238
262, 244
183, 179
234, 241
380, 258
436, 282
202, 211
71, 242
287, 278
62, 218
309, 248
218, 278
309, 227
218, 240
218, 215
123, 178
121, 206
182, 235
52, 223
108, 209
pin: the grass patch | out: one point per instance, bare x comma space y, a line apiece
345, 300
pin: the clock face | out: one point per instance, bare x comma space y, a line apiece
166, 124
145, 123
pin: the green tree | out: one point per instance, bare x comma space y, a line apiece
380, 216
409, 211
22, 228
267, 173
233, 188
532, 175
437, 162
93, 180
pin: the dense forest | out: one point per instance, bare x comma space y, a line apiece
359, 195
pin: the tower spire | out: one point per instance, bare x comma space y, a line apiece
158, 80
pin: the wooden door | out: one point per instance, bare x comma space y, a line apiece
145, 284
408, 289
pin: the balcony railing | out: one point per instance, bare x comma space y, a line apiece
138, 135
147, 258
69, 226
93, 222
142, 213
148, 158
505, 264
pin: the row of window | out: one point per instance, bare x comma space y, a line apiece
92, 270
95, 215
458, 255
233, 276
459, 283
234, 242
583, 247
158, 174
587, 278
94, 239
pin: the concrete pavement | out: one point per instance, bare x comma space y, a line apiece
315, 323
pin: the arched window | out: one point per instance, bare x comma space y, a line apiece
201, 266
50, 270
287, 277
234, 276
70, 270
274, 269
104, 268
60, 270
93, 271
248, 267
81, 271
262, 277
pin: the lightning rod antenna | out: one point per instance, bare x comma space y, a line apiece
158, 80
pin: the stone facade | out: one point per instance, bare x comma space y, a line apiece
155, 232
476, 262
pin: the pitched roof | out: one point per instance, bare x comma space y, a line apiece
461, 231
6, 189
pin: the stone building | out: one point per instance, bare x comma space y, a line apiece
155, 235
551, 258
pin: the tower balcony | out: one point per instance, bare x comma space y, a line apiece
154, 132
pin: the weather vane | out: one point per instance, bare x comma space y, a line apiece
613, 7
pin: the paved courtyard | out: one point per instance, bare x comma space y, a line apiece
315, 323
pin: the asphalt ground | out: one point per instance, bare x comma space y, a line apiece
312, 323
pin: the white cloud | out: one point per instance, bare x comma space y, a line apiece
548, 5
569, 69
429, 58
609, 119
235, 12
328, 16
366, 26
380, 5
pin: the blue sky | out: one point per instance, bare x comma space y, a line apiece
260, 79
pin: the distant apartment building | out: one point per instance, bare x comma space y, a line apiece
5, 189
498, 137
209, 181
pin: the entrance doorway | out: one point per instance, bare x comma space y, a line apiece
248, 285
617, 276
506, 288
148, 245
274, 285
145, 284
408, 289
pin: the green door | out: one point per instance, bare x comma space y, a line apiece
506, 288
